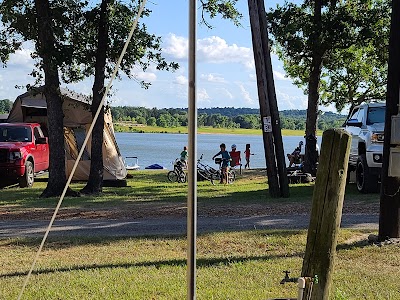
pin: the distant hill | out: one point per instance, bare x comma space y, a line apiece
220, 117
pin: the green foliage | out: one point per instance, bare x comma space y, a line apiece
353, 45
225, 8
5, 106
227, 117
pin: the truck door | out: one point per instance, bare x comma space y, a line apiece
41, 152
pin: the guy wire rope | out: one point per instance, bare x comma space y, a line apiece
82, 148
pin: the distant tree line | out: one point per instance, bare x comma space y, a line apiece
5, 106
227, 117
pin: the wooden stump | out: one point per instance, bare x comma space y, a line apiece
326, 212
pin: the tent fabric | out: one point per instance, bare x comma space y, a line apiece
31, 107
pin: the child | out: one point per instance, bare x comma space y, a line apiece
226, 158
184, 157
247, 153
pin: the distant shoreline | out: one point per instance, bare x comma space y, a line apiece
128, 128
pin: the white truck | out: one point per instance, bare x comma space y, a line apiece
366, 126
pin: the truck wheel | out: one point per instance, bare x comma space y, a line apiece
366, 182
28, 178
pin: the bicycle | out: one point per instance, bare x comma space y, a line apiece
206, 172
231, 172
177, 175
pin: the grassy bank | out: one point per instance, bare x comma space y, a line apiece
231, 265
127, 127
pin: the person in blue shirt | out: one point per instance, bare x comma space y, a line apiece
226, 158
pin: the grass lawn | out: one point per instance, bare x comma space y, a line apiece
231, 265
149, 192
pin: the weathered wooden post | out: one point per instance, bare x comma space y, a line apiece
326, 212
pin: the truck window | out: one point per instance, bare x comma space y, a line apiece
376, 115
16, 134
37, 133
354, 114
360, 116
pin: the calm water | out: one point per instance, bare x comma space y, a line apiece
163, 149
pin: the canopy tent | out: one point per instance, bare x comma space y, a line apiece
31, 107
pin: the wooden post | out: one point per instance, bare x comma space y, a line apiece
262, 85
276, 123
326, 212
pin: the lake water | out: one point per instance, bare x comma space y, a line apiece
163, 148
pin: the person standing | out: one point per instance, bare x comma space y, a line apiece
226, 158
247, 156
184, 157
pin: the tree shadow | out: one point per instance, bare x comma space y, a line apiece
200, 262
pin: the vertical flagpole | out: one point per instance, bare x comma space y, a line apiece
192, 183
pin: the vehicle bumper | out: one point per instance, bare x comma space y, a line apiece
11, 171
374, 159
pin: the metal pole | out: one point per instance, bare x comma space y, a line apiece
192, 183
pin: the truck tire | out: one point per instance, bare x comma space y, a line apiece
366, 182
28, 178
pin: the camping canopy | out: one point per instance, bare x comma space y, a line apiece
31, 107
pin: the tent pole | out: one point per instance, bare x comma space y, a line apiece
192, 183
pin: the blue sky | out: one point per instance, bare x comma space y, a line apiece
225, 69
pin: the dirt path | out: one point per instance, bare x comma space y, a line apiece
153, 210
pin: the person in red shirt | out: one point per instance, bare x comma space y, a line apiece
247, 156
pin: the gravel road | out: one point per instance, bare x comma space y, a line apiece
169, 225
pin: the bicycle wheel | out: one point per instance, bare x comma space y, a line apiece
172, 176
182, 177
231, 177
205, 174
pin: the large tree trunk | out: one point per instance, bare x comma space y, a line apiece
95, 182
311, 155
57, 177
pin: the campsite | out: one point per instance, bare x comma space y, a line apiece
295, 226
153, 266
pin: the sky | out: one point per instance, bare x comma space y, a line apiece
225, 66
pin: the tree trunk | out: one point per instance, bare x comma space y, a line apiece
95, 182
389, 216
311, 155
46, 48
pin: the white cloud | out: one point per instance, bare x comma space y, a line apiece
146, 76
280, 76
212, 78
181, 80
226, 93
253, 77
245, 94
21, 58
286, 101
202, 95
210, 50
176, 46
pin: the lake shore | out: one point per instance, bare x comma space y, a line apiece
134, 128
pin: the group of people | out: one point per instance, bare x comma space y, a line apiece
228, 159
231, 159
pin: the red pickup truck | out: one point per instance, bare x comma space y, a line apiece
24, 151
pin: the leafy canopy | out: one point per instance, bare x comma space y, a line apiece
353, 33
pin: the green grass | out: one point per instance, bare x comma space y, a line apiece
152, 189
231, 265
127, 127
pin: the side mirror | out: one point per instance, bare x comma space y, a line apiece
42, 140
354, 123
